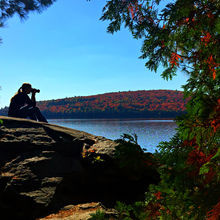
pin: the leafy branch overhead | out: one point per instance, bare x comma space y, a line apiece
182, 36
177, 36
9, 8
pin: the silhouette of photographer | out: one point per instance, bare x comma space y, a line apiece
22, 106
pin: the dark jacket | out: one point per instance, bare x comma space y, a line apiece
18, 101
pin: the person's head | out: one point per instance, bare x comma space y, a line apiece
26, 88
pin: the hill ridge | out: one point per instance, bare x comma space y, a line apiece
141, 103
107, 93
160, 103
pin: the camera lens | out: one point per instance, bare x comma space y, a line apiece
36, 90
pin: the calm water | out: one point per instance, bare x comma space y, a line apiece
149, 132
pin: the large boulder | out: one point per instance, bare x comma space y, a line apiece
44, 167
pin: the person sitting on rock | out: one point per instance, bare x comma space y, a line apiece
21, 106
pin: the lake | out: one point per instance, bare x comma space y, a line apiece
149, 132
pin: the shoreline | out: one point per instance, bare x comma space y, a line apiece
112, 119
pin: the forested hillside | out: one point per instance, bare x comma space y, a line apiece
132, 104
147, 104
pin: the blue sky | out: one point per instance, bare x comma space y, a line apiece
65, 51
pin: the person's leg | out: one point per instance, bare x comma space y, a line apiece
31, 114
39, 115
26, 112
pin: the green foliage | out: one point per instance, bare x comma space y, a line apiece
98, 215
131, 212
22, 8
129, 153
131, 157
183, 36
169, 28
183, 195
125, 212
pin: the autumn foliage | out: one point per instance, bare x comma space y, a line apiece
146, 104
182, 36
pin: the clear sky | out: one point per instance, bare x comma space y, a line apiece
65, 51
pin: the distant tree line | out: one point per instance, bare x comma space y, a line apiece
136, 104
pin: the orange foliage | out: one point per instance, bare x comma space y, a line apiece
175, 59
206, 38
212, 65
136, 101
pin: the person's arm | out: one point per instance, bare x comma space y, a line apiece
33, 98
32, 101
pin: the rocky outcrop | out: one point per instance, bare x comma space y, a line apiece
82, 212
44, 167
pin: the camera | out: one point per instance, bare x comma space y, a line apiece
36, 90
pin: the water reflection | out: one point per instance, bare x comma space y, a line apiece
149, 132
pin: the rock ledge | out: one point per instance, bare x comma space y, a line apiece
44, 167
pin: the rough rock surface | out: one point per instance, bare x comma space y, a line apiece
42, 170
81, 212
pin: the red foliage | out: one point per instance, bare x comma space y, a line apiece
197, 158
154, 209
206, 38
189, 143
137, 101
158, 195
214, 214
209, 176
215, 123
